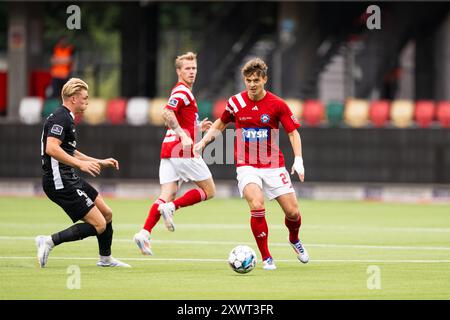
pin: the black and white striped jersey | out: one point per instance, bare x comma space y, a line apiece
60, 124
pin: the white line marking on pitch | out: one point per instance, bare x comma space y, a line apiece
224, 260
226, 226
279, 244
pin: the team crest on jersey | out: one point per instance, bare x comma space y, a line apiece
173, 102
265, 118
57, 129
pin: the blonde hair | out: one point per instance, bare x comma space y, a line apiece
72, 87
187, 56
255, 65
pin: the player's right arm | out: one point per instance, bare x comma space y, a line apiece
218, 126
216, 129
171, 121
54, 150
104, 163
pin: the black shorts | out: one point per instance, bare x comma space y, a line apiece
76, 200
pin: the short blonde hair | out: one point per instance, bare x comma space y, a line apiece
187, 56
72, 87
255, 65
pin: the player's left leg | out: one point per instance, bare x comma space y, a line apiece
190, 169
208, 187
205, 191
105, 238
143, 237
293, 221
254, 195
167, 194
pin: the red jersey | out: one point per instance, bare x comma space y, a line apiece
183, 103
257, 134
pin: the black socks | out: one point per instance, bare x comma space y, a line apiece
76, 232
80, 231
105, 240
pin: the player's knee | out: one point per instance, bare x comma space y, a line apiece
292, 213
257, 204
167, 197
210, 192
108, 215
100, 226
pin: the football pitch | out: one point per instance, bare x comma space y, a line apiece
358, 250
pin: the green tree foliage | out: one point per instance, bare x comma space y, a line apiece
97, 43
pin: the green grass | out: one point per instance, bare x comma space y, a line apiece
408, 243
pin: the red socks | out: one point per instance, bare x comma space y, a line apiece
153, 216
191, 197
293, 227
260, 231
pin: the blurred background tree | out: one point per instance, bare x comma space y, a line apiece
97, 43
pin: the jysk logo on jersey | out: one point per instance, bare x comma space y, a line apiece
57, 129
255, 134
265, 118
173, 103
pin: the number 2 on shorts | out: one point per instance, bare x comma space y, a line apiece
284, 178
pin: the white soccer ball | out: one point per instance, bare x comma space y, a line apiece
242, 259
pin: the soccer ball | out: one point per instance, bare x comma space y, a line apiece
242, 259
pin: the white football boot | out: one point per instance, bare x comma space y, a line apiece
301, 252
142, 239
44, 246
109, 261
167, 210
268, 264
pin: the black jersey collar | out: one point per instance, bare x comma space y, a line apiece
71, 114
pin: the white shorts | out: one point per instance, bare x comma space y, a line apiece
185, 169
273, 181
